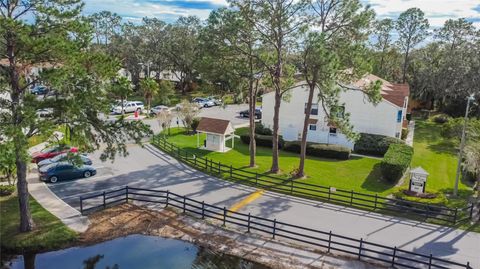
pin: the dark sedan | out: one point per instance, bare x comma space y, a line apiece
64, 157
258, 113
65, 171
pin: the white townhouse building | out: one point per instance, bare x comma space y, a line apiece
386, 118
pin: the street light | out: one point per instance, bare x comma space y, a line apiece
462, 144
148, 68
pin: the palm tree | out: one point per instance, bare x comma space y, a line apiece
149, 88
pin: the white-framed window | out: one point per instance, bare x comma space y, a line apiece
312, 127
314, 110
332, 131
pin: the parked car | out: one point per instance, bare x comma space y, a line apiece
258, 113
51, 152
203, 102
44, 112
130, 107
118, 103
39, 90
63, 158
65, 171
157, 109
216, 102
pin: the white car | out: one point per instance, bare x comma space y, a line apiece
203, 102
157, 109
44, 112
130, 107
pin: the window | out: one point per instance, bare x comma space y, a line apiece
338, 112
397, 135
333, 131
312, 127
314, 110
399, 116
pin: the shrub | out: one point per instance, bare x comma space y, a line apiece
404, 133
262, 130
441, 118
6, 190
328, 151
292, 146
262, 140
396, 161
194, 124
372, 144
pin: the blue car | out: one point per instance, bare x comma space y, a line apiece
62, 158
65, 171
39, 90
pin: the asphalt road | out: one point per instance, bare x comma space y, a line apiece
150, 168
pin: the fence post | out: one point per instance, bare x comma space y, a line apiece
455, 216
351, 197
194, 160
184, 203
224, 216
471, 211
248, 223
206, 164
427, 212
393, 256
178, 153
360, 249
104, 202
256, 178
329, 240
468, 265
430, 261
168, 198
329, 192
274, 228
126, 193
81, 205
203, 209
376, 198
291, 186
219, 168
231, 171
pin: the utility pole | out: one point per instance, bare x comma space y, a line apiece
148, 68
462, 145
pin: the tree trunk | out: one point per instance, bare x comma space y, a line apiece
276, 111
405, 64
122, 100
251, 114
303, 144
26, 222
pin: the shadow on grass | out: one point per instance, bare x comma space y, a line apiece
374, 181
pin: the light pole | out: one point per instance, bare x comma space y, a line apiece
462, 145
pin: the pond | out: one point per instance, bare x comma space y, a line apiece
131, 252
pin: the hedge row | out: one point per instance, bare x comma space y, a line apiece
372, 144
320, 150
396, 161
263, 140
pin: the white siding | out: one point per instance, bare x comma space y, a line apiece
364, 116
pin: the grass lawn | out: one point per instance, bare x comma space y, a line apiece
438, 157
49, 232
358, 174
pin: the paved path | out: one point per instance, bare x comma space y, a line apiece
150, 168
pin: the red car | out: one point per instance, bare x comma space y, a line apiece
48, 153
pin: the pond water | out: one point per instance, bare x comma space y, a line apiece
132, 252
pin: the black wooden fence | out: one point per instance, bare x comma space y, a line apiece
323, 240
318, 192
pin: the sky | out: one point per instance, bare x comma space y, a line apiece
437, 11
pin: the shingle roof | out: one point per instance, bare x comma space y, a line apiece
211, 125
394, 93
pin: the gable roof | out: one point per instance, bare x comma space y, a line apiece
215, 126
394, 93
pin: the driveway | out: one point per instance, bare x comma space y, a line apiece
150, 168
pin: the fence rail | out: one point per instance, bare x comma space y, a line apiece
323, 240
315, 191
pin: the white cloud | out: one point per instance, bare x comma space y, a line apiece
437, 11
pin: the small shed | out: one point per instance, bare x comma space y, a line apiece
218, 132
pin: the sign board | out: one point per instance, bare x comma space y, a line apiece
418, 180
